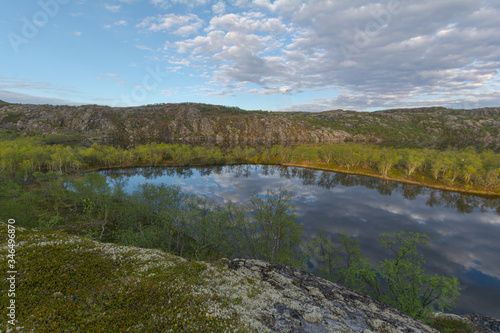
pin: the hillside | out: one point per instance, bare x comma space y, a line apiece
189, 122
70, 283
3, 103
165, 123
422, 127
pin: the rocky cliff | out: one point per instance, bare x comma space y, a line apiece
167, 123
189, 122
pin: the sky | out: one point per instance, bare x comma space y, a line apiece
281, 55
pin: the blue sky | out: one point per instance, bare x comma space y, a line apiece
255, 54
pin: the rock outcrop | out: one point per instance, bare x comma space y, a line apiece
302, 302
167, 123
190, 122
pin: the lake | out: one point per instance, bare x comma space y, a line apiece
464, 230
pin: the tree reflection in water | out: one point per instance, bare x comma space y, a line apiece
326, 179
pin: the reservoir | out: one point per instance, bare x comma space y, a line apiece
464, 230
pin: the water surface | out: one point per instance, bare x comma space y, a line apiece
464, 230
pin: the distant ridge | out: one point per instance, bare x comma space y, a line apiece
429, 127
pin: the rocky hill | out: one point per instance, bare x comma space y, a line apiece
189, 122
434, 127
167, 123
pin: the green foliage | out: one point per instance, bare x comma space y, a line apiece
81, 286
412, 160
271, 231
343, 263
408, 288
449, 325
385, 160
399, 280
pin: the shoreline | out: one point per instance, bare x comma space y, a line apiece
492, 195
442, 187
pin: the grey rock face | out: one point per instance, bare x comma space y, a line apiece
305, 303
487, 323
166, 123
190, 122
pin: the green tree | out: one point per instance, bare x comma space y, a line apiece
164, 215
348, 156
93, 197
227, 231
470, 164
409, 289
326, 153
271, 231
386, 159
343, 263
492, 178
412, 160
398, 280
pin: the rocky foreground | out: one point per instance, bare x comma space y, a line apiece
75, 284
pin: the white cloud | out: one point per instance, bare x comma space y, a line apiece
14, 97
248, 23
284, 6
113, 8
189, 3
116, 24
219, 8
77, 33
239, 43
143, 47
113, 77
182, 25
16, 90
8, 83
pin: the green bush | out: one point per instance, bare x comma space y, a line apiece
399, 280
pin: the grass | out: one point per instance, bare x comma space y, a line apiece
73, 284
450, 325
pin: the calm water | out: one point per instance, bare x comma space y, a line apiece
464, 230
